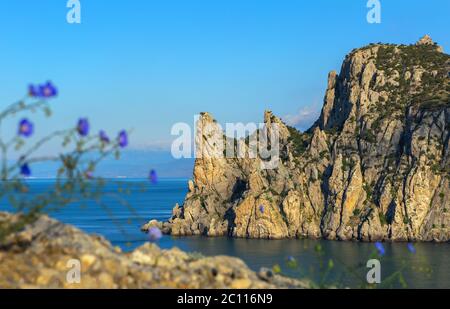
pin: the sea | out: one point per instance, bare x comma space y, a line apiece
128, 203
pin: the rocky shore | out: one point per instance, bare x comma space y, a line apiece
374, 166
42, 254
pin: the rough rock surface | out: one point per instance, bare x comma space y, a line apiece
38, 257
374, 166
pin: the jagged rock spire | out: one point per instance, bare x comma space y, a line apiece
425, 40
372, 168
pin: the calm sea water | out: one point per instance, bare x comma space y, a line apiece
121, 226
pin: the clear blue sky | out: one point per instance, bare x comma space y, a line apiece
148, 64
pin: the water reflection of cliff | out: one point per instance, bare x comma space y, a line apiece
345, 255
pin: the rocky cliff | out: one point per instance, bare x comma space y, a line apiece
40, 255
374, 166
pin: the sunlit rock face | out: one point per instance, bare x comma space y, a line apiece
374, 166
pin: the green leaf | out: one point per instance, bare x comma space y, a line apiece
330, 264
19, 144
47, 111
276, 269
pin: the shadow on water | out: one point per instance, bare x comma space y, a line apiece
157, 201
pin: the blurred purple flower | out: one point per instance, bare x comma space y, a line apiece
83, 126
47, 90
261, 208
122, 139
154, 234
88, 175
33, 91
25, 170
44, 91
380, 248
153, 176
411, 248
104, 137
25, 128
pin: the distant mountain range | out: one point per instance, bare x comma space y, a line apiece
132, 164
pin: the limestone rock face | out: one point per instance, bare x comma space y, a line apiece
374, 166
42, 255
427, 40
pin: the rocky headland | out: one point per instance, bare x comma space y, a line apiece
374, 166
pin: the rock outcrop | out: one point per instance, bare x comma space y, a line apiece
374, 166
44, 254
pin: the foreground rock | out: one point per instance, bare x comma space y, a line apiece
38, 257
374, 166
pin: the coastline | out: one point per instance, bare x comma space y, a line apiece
256, 253
25, 256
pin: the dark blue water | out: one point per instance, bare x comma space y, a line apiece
427, 268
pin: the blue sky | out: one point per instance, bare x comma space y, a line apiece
146, 64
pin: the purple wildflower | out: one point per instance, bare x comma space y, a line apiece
122, 139
154, 234
261, 208
47, 90
44, 91
83, 126
25, 128
104, 137
25, 170
33, 91
153, 176
88, 175
411, 248
380, 248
